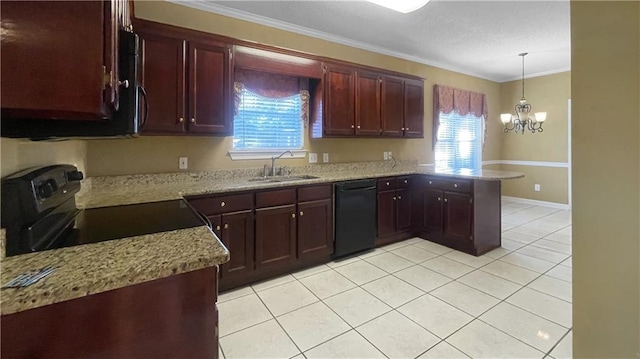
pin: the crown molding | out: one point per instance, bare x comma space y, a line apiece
262, 20
537, 74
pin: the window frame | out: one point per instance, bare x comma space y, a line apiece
478, 142
267, 153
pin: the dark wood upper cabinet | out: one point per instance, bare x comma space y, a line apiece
339, 98
392, 107
413, 108
209, 88
187, 79
59, 59
363, 103
367, 104
163, 76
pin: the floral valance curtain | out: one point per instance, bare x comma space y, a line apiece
447, 99
270, 85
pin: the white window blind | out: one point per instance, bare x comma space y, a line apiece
459, 145
268, 123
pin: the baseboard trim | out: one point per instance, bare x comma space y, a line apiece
536, 202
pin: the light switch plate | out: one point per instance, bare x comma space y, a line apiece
313, 158
536, 187
183, 163
325, 157
385, 155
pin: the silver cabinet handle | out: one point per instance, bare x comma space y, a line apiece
406, 129
217, 228
439, 199
226, 226
352, 126
387, 183
399, 197
358, 126
445, 200
193, 120
403, 129
406, 181
293, 215
301, 213
394, 198
181, 119
429, 182
222, 204
455, 185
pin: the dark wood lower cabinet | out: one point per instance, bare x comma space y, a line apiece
395, 209
173, 317
315, 229
275, 236
463, 214
235, 230
386, 213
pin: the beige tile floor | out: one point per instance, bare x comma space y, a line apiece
417, 299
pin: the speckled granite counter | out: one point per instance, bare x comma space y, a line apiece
118, 190
95, 268
103, 266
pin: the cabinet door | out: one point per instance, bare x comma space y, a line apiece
413, 108
53, 60
237, 236
386, 213
275, 236
403, 209
457, 217
339, 98
432, 201
163, 76
367, 104
209, 89
392, 106
315, 229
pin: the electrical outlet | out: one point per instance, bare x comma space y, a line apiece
325, 157
183, 163
313, 158
385, 155
389, 154
536, 187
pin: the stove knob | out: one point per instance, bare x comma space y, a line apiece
45, 190
74, 176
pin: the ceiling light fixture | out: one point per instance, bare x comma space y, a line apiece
403, 6
521, 119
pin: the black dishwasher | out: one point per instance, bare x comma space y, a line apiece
355, 216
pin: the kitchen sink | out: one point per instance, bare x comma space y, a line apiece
273, 179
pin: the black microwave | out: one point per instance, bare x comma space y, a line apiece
127, 121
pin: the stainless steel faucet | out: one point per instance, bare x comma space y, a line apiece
273, 161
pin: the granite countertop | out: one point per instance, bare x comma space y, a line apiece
94, 268
99, 267
119, 190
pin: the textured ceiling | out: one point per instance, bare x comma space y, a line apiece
480, 38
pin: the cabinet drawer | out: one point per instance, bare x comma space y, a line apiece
220, 204
275, 198
386, 183
404, 181
314, 193
449, 184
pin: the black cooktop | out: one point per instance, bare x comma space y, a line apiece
108, 223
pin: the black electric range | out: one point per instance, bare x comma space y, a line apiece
39, 213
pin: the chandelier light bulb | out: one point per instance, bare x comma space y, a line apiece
505, 118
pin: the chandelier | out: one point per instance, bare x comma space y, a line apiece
521, 120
